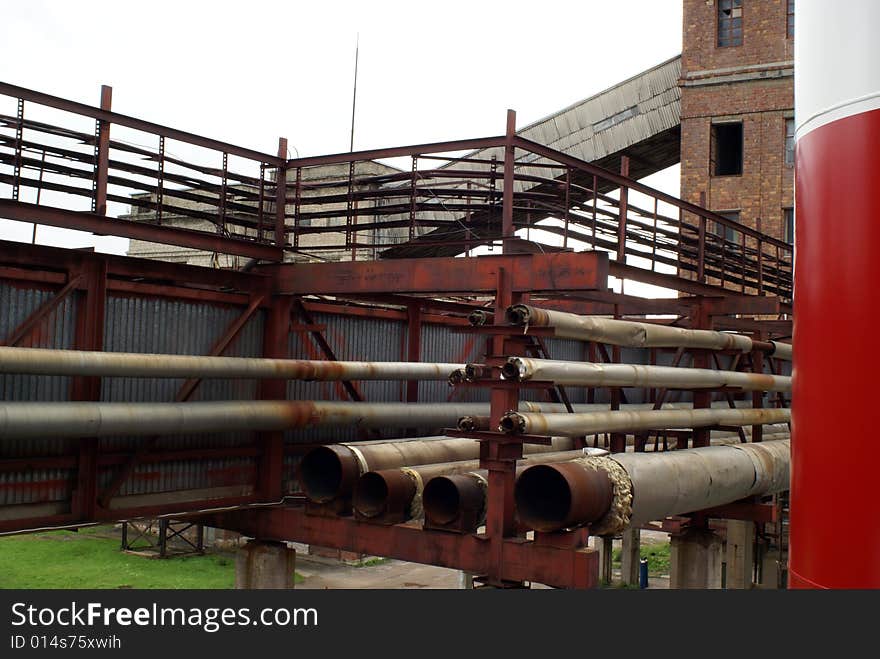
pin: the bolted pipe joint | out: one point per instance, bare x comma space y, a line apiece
551, 497
519, 314
514, 369
457, 377
328, 472
475, 371
512, 423
478, 317
473, 423
455, 503
384, 496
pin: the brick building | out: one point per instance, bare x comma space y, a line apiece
737, 110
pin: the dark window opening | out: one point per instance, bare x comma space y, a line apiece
789, 19
789, 142
730, 31
730, 234
727, 149
788, 225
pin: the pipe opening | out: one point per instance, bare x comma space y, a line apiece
518, 314
321, 474
512, 422
511, 370
543, 498
371, 495
441, 500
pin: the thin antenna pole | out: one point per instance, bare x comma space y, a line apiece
355, 91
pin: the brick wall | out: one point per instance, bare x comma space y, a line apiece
755, 86
764, 36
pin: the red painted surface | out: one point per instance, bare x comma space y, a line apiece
835, 523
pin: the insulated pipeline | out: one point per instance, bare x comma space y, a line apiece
647, 486
578, 424
39, 361
589, 374
627, 333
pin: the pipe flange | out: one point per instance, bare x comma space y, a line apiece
416, 511
620, 512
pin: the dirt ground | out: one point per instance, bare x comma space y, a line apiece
322, 573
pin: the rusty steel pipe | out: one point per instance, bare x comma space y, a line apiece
330, 472
87, 419
627, 333
458, 500
39, 361
589, 374
648, 486
578, 424
394, 495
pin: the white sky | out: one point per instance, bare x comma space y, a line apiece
250, 72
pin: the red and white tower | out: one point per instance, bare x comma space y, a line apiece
835, 519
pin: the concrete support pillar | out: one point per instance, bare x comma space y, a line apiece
695, 559
769, 569
740, 554
604, 545
629, 557
262, 565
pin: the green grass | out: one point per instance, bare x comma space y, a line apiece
657, 555
65, 559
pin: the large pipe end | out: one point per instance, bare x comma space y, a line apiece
551, 497
454, 503
512, 423
384, 496
513, 369
478, 317
328, 472
518, 314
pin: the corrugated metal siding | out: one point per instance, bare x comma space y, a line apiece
189, 475
152, 325
36, 486
17, 303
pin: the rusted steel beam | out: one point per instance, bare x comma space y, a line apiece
101, 225
29, 323
529, 273
351, 388
507, 230
394, 152
138, 124
521, 560
89, 335
124, 267
102, 155
276, 335
229, 335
